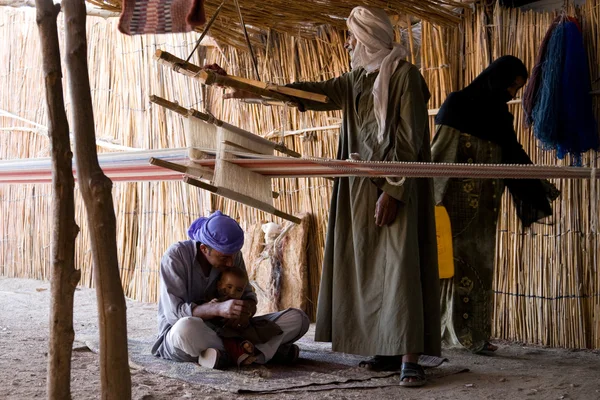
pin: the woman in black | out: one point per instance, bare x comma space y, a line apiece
475, 125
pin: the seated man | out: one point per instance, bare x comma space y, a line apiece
189, 274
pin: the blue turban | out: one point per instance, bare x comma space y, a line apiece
219, 232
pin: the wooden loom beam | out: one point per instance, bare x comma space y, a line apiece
212, 120
223, 191
248, 135
185, 169
208, 77
241, 198
169, 104
200, 172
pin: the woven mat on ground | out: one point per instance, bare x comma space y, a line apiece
318, 369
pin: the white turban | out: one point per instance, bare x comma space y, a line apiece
375, 50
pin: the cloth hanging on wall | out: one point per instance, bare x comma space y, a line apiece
141, 17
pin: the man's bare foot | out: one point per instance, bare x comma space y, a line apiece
248, 347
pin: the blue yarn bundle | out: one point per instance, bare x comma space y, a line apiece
546, 107
562, 116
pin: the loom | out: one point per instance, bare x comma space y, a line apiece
205, 132
240, 165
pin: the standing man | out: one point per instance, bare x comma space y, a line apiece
379, 290
189, 273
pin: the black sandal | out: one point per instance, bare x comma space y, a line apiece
412, 370
382, 363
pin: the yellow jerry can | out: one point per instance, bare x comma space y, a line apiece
444, 242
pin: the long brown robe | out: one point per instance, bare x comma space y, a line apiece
380, 285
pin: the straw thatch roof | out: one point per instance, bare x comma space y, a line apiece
303, 17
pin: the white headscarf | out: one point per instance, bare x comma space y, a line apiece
375, 50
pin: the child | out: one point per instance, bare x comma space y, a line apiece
239, 341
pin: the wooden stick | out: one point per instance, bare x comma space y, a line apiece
64, 276
240, 198
265, 102
170, 105
200, 172
321, 98
195, 171
248, 135
211, 78
237, 146
96, 189
212, 120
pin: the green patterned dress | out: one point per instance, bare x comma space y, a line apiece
473, 205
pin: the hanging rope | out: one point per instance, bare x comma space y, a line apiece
214, 17
254, 62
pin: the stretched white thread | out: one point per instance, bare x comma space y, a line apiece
448, 170
28, 169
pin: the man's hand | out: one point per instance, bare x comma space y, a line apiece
251, 307
215, 68
236, 93
385, 210
232, 309
241, 322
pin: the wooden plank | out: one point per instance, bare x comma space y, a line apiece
248, 135
184, 169
240, 198
260, 88
200, 172
169, 104
212, 120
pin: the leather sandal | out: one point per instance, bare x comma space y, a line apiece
415, 371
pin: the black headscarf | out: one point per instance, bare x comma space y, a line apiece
480, 110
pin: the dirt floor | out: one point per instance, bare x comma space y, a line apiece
516, 372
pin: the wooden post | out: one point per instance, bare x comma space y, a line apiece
96, 191
64, 276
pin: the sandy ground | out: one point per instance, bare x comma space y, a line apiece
516, 372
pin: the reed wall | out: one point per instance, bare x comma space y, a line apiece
547, 283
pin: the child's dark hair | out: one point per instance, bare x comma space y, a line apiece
237, 272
